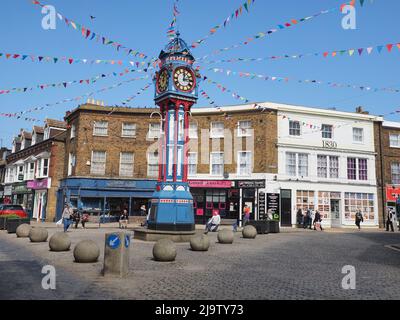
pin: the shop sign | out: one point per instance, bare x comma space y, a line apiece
38, 184
21, 189
273, 206
7, 190
251, 184
261, 206
392, 193
121, 184
329, 144
210, 184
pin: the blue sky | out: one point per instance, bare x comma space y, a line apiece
142, 25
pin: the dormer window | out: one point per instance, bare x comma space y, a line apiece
33, 139
46, 133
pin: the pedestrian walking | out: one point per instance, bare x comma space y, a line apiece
67, 216
76, 218
123, 220
391, 220
318, 221
305, 222
299, 217
246, 217
85, 218
359, 219
143, 211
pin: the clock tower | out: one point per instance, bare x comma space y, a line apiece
176, 91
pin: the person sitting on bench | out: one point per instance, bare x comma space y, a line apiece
213, 223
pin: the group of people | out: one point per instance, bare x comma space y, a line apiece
309, 219
70, 217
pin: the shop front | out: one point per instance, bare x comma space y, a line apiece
23, 196
40, 188
227, 197
7, 195
105, 197
393, 198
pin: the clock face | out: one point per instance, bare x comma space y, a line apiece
162, 83
184, 79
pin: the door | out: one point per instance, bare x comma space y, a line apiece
248, 199
286, 208
335, 213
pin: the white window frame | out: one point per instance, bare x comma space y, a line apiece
298, 154
211, 164
34, 136
154, 134
327, 132
395, 181
244, 132
30, 172
220, 133
191, 165
97, 172
71, 163
394, 137
46, 134
362, 135
248, 171
150, 164
125, 130
299, 128
193, 132
73, 131
124, 162
100, 125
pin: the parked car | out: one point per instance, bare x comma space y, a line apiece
11, 209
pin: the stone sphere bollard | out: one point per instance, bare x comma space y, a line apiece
86, 251
225, 236
38, 234
249, 232
23, 230
59, 242
164, 250
200, 243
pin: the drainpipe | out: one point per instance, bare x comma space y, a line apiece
382, 172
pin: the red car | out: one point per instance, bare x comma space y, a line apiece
11, 209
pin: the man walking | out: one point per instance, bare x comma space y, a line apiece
390, 220
67, 216
359, 219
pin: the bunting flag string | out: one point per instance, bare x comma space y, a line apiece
65, 84
171, 31
287, 79
69, 60
91, 35
14, 115
261, 35
78, 98
141, 91
208, 98
325, 54
235, 15
226, 90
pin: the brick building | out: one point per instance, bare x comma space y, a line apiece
112, 159
387, 142
4, 152
34, 169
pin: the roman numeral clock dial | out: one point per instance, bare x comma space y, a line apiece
184, 79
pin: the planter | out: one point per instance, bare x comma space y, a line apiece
273, 226
262, 226
13, 224
3, 222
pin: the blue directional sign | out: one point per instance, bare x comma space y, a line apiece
113, 241
127, 241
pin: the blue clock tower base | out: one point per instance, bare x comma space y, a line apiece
172, 208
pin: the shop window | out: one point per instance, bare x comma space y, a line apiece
359, 201
305, 200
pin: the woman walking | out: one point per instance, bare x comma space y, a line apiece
359, 219
67, 216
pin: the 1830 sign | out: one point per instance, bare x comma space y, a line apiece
329, 144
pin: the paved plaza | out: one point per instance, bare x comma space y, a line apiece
295, 264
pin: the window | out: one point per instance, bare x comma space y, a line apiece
327, 131
351, 168
98, 166
71, 163
359, 201
100, 128
45, 168
244, 129
305, 200
30, 174
217, 130
291, 164
192, 164
128, 130
193, 130
46, 134
395, 167
394, 140
154, 130
362, 169
152, 164
34, 139
126, 164
322, 166
303, 164
334, 167
294, 128
244, 163
217, 163
73, 131
358, 135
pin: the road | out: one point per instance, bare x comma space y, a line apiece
291, 265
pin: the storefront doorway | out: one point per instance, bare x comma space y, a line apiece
335, 213
39, 206
248, 196
286, 208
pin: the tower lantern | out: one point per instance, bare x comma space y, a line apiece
176, 91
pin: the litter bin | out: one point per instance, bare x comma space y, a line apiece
273, 227
13, 224
261, 226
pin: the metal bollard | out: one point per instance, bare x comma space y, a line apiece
116, 254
